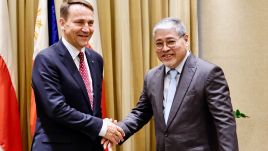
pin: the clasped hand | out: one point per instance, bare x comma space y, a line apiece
114, 133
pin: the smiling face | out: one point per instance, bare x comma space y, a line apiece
78, 26
174, 47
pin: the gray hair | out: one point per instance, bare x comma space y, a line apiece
170, 23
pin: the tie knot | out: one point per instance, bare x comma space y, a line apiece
173, 73
81, 56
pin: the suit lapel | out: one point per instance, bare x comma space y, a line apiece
158, 88
70, 65
184, 83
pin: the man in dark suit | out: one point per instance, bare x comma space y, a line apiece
188, 97
67, 81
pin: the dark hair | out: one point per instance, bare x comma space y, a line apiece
64, 8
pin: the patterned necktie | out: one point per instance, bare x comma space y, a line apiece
171, 92
84, 73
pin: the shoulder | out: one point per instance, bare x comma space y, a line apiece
204, 65
49, 52
209, 70
49, 56
94, 57
94, 54
155, 72
156, 69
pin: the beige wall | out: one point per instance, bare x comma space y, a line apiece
234, 35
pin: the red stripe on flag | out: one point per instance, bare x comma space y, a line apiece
32, 114
10, 134
103, 101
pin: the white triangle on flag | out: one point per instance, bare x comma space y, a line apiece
6, 51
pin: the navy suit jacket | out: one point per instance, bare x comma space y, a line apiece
65, 121
201, 116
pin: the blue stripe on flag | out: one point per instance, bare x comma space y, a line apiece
52, 23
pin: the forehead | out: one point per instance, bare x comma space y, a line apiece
165, 33
78, 10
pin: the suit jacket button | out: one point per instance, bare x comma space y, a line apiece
166, 134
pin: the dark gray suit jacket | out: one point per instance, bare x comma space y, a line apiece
65, 120
201, 116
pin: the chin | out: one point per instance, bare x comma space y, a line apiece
169, 64
83, 44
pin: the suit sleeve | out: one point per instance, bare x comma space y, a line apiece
49, 97
219, 103
139, 116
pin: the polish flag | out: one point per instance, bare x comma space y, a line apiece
10, 133
95, 43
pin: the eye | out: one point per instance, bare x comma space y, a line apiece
79, 22
159, 43
171, 42
90, 23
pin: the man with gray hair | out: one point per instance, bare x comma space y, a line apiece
188, 97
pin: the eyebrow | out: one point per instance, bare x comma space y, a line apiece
74, 3
168, 38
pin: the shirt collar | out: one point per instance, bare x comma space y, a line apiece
72, 50
180, 66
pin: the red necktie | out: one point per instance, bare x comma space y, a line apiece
85, 77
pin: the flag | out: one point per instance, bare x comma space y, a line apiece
46, 34
52, 23
95, 43
10, 133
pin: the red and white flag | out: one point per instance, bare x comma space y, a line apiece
10, 132
95, 43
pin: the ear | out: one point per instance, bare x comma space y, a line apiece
62, 24
186, 37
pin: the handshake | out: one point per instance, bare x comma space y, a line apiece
113, 135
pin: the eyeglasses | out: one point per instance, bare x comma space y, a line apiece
171, 43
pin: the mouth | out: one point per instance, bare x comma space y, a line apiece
167, 57
84, 36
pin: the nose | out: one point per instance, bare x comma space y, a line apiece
85, 29
165, 47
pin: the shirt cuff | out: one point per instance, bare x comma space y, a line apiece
103, 128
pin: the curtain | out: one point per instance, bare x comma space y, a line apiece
126, 34
25, 24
